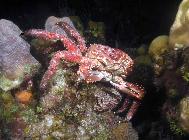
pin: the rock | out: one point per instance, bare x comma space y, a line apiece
16, 62
124, 131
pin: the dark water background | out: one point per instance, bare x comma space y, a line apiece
131, 21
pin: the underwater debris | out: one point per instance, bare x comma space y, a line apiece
16, 62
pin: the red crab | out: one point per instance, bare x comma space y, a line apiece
96, 63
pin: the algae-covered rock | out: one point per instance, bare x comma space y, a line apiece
179, 32
72, 109
16, 62
124, 131
58, 87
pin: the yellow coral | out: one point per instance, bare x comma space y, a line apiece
179, 32
158, 46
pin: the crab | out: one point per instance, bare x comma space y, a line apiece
96, 63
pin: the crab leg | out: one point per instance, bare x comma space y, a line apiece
125, 105
53, 66
45, 35
132, 110
128, 88
73, 32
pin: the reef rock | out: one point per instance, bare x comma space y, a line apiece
16, 62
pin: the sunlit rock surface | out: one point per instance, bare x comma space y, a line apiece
16, 62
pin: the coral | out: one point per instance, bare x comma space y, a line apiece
16, 63
175, 128
143, 60
158, 46
157, 49
184, 114
170, 59
142, 57
179, 34
24, 96
141, 50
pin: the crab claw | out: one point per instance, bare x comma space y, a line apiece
130, 89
